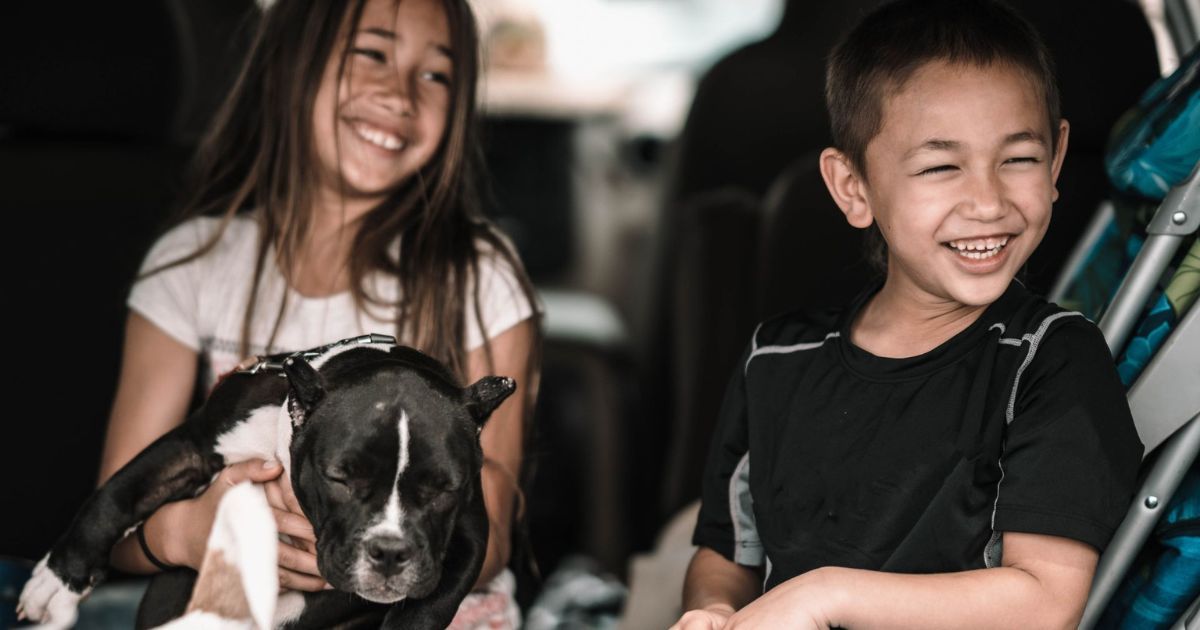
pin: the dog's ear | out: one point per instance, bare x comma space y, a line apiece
307, 388
486, 394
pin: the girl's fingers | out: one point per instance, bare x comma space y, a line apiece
294, 525
255, 470
299, 582
289, 497
298, 561
274, 495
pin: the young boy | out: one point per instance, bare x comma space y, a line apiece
949, 451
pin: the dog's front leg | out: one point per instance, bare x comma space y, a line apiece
173, 467
464, 559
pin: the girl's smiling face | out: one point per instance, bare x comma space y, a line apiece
386, 119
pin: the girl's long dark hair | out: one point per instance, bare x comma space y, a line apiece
258, 156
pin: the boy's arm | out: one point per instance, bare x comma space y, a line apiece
726, 532
1043, 583
714, 588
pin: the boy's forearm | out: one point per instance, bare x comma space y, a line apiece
712, 580
1003, 597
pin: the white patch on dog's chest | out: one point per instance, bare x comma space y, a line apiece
255, 437
289, 607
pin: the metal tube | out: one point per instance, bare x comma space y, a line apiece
1177, 456
1129, 302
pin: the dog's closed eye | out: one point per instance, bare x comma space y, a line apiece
343, 483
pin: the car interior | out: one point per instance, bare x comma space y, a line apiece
662, 190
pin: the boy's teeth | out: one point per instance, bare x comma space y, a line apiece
979, 249
979, 245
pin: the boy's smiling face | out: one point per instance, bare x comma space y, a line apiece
960, 180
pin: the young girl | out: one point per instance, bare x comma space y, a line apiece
334, 196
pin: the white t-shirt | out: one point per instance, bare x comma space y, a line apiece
202, 303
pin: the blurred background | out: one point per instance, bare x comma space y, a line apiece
653, 160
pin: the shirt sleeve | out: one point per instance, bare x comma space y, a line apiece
169, 297
503, 303
1071, 453
726, 522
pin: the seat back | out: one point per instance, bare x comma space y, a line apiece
809, 257
90, 163
711, 297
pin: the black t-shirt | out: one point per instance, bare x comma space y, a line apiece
826, 455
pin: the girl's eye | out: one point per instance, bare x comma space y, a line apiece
436, 77
370, 53
944, 168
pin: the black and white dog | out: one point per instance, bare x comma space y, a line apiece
382, 449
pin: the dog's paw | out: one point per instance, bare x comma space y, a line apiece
47, 600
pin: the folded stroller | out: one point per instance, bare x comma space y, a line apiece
1142, 283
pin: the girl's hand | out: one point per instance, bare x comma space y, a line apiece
803, 602
712, 617
298, 560
179, 530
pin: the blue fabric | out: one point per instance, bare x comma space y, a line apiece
1093, 287
1167, 576
1151, 333
112, 606
1157, 148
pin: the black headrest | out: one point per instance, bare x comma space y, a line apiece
91, 69
152, 70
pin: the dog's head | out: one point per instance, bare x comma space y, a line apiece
385, 455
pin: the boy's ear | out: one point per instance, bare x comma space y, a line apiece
1060, 152
846, 187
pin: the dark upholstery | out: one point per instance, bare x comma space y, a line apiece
712, 298
762, 105
1106, 58
93, 119
809, 256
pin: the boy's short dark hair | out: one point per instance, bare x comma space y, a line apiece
881, 53
878, 56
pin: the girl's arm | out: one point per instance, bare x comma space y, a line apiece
503, 437
1043, 583
153, 393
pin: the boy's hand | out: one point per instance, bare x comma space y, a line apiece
712, 617
804, 601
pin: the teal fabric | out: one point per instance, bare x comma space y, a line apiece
1157, 148
1151, 334
1167, 576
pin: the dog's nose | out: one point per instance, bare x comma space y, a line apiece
388, 553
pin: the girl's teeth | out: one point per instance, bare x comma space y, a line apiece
379, 138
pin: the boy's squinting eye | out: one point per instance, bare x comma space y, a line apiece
370, 53
943, 168
1023, 160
